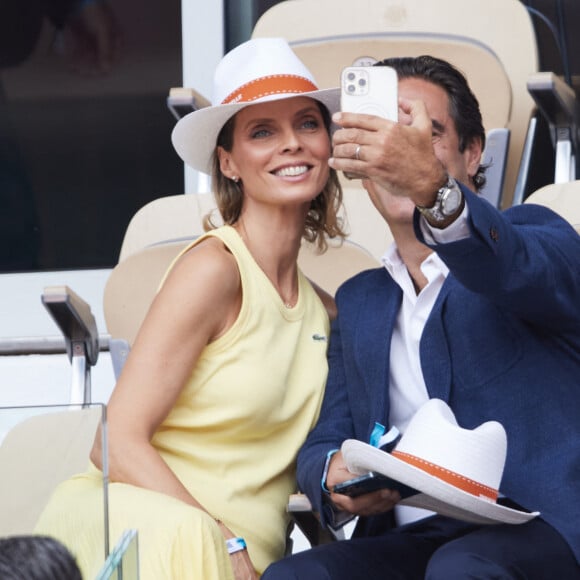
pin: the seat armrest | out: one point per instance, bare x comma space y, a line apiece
555, 98
74, 318
76, 321
559, 104
308, 522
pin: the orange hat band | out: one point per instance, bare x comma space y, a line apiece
454, 479
270, 85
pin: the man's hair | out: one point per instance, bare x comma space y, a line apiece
36, 558
463, 105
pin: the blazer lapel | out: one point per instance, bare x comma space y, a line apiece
377, 317
434, 350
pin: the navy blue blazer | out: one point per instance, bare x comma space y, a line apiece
502, 343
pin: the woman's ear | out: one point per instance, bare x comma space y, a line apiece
227, 165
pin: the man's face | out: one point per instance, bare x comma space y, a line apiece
461, 166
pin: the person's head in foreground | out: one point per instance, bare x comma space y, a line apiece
267, 130
36, 558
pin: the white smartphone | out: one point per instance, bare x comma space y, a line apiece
371, 90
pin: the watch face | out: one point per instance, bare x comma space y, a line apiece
450, 201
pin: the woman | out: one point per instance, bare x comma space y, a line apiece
226, 376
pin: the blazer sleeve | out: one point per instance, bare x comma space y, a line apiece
525, 260
333, 427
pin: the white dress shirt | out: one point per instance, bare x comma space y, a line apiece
407, 390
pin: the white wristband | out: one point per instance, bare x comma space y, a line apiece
235, 545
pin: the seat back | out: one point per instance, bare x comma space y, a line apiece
178, 218
363, 223
41, 447
563, 198
162, 228
173, 217
132, 285
491, 42
134, 282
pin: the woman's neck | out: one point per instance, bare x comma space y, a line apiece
275, 250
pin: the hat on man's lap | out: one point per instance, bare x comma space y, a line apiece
457, 471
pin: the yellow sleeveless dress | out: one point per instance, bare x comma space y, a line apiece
231, 438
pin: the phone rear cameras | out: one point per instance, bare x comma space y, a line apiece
356, 82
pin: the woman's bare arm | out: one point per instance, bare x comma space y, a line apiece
199, 301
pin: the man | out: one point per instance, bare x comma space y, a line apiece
475, 307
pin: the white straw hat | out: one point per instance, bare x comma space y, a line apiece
259, 70
457, 471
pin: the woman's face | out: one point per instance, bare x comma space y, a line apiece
280, 151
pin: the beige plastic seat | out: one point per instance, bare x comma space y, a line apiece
563, 198
133, 283
163, 227
179, 218
363, 223
492, 42
173, 217
43, 447
131, 288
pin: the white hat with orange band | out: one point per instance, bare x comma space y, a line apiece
456, 471
259, 70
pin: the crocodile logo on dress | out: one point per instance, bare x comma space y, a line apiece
319, 337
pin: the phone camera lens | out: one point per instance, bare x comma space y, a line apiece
350, 88
362, 82
350, 76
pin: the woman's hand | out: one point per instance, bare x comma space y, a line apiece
242, 565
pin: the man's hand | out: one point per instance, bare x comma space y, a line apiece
368, 504
399, 157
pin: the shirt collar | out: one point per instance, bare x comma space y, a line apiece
432, 266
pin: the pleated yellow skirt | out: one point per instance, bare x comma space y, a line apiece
176, 541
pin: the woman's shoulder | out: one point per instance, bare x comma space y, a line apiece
209, 264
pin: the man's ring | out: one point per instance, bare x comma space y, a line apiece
357, 153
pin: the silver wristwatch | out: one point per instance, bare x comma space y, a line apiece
449, 199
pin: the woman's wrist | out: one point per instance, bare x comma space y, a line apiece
235, 545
